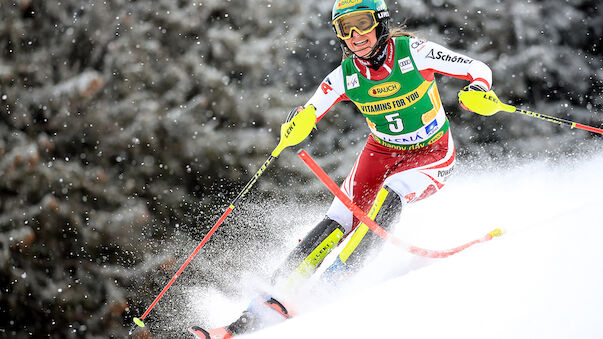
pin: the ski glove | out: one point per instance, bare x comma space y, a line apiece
298, 126
475, 86
294, 112
482, 103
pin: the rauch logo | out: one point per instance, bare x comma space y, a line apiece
347, 3
384, 90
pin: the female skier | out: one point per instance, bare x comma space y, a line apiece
409, 154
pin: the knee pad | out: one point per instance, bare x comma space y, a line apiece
385, 211
309, 253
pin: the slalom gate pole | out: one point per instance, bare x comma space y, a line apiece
373, 226
292, 133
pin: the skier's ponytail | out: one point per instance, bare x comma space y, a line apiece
399, 31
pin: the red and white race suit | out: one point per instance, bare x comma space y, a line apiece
412, 174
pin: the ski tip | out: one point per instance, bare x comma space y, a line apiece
199, 333
138, 322
496, 233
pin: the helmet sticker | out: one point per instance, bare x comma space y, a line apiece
347, 3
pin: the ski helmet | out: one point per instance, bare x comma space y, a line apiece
380, 12
341, 7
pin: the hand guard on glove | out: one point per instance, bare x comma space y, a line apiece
476, 98
474, 86
298, 126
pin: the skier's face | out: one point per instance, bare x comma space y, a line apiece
362, 45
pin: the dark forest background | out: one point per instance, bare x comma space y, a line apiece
127, 124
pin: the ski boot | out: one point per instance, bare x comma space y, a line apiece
336, 273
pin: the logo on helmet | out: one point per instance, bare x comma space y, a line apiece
347, 3
382, 15
384, 90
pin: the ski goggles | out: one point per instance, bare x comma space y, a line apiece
360, 21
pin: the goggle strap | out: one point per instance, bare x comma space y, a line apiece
340, 33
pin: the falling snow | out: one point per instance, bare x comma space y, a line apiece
127, 127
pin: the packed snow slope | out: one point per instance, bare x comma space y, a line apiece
542, 279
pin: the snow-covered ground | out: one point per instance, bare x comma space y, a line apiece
542, 279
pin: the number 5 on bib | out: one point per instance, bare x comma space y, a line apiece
395, 123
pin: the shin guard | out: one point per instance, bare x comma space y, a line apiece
309, 253
385, 211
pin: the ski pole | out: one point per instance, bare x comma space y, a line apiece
487, 103
559, 121
292, 133
373, 226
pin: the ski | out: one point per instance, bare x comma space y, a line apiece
216, 333
271, 311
